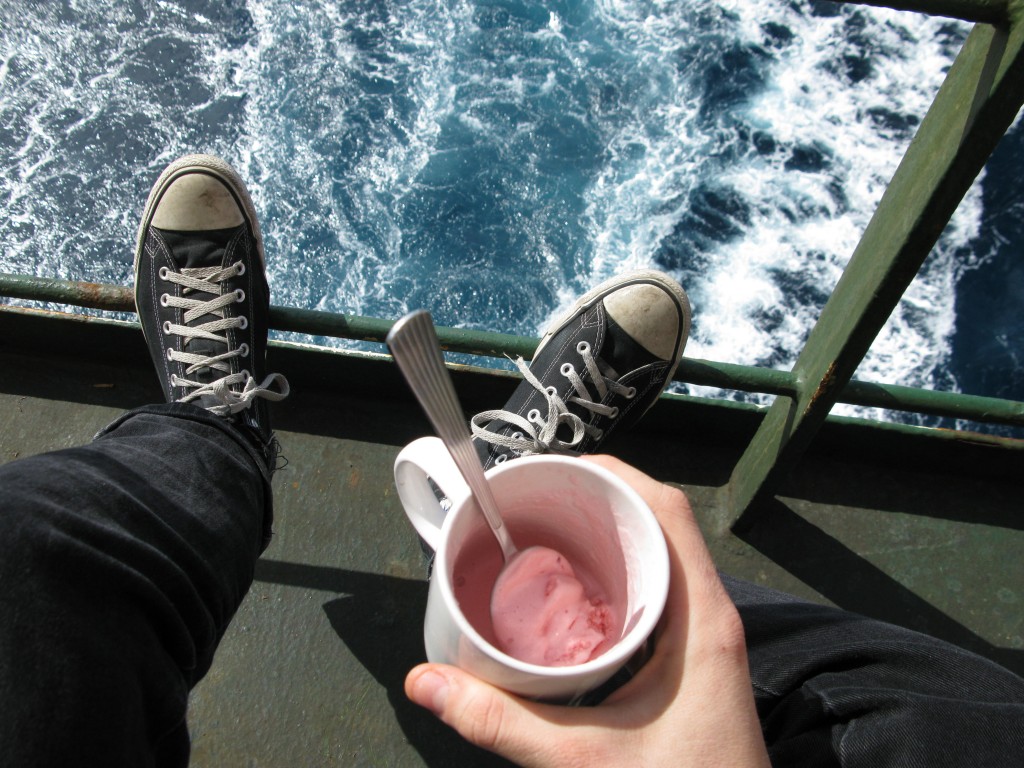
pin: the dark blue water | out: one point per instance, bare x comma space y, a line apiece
491, 160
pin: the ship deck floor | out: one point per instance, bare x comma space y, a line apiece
311, 670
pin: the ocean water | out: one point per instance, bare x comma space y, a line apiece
489, 161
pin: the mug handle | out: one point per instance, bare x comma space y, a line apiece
425, 458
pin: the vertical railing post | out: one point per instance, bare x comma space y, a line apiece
976, 104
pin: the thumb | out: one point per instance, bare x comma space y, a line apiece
484, 715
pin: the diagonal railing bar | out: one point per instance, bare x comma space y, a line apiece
976, 104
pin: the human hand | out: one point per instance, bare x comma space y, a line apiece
690, 705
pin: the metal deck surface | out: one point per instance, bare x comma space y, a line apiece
311, 670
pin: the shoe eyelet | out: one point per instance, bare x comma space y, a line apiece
174, 380
245, 373
244, 324
552, 391
163, 300
582, 347
167, 326
599, 435
164, 273
243, 350
614, 413
239, 295
170, 353
533, 415
240, 268
501, 458
631, 393
517, 435
567, 369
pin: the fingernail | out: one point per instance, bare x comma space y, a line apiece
432, 691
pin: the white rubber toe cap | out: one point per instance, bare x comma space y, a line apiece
649, 315
196, 202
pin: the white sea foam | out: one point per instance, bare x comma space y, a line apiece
91, 118
803, 223
341, 174
909, 59
343, 117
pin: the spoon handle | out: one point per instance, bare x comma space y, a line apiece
414, 345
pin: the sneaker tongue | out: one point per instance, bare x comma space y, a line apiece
194, 250
198, 250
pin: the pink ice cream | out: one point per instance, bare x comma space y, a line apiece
542, 614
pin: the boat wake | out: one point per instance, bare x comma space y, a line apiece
491, 161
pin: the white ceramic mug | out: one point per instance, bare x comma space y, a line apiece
590, 515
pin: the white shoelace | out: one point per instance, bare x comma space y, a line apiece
226, 400
539, 433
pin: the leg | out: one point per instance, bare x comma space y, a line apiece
835, 688
122, 563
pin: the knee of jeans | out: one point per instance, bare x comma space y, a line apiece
29, 532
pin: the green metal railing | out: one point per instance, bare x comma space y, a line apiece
976, 104
115, 298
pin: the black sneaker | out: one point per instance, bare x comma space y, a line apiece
202, 297
596, 371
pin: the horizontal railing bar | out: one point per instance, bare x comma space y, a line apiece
942, 435
373, 329
111, 298
954, 405
117, 298
891, 397
984, 11
743, 378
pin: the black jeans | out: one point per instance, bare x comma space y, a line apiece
122, 563
836, 688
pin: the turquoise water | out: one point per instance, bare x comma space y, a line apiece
489, 161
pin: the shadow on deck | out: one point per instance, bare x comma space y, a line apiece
311, 670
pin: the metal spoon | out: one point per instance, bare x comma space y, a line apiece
415, 347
